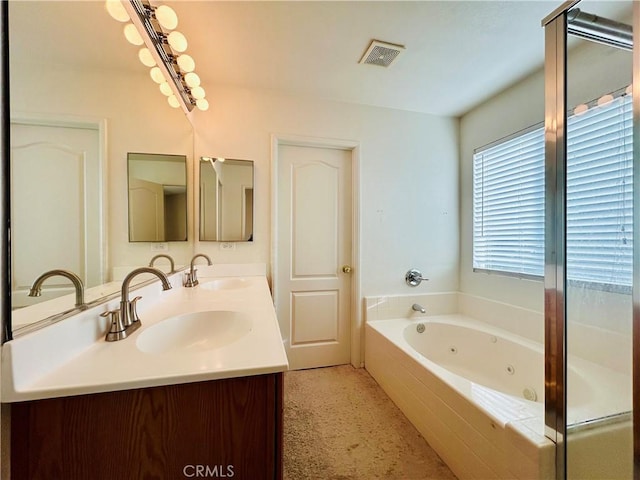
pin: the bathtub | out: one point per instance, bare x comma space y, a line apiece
476, 393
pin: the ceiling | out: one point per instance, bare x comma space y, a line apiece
458, 53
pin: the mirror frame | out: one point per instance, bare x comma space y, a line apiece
5, 296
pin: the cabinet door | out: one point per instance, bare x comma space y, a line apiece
219, 428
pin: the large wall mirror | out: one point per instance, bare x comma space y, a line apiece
226, 200
80, 101
157, 197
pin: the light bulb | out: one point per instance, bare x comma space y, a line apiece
165, 88
186, 63
166, 17
192, 79
156, 75
605, 100
197, 92
173, 101
116, 10
202, 104
177, 41
580, 109
132, 35
146, 58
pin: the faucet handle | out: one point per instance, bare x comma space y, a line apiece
117, 330
413, 278
133, 312
190, 279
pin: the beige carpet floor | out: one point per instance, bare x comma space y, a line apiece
340, 425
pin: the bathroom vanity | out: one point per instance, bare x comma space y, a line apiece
230, 426
197, 389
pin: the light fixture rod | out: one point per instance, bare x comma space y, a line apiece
599, 29
153, 29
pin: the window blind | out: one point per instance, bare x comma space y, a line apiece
599, 194
508, 206
508, 199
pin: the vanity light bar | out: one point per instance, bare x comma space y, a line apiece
178, 67
154, 30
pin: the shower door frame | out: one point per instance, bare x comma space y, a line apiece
636, 241
556, 33
555, 235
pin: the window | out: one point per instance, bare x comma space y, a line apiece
508, 205
508, 199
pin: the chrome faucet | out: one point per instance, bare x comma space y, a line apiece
125, 320
418, 308
36, 289
191, 277
168, 257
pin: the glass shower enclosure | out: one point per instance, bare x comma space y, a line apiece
591, 253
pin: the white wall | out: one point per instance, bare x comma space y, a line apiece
514, 109
409, 165
408, 177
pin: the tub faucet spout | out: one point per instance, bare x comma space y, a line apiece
418, 308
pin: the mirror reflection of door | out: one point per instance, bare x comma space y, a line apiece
175, 204
226, 200
146, 211
157, 198
56, 174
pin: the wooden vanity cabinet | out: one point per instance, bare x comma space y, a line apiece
229, 428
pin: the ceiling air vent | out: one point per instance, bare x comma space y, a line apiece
381, 53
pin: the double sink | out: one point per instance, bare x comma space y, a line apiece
222, 328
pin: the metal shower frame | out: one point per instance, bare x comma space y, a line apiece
558, 25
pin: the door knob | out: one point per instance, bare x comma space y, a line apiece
346, 268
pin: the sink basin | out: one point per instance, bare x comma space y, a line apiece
194, 332
225, 284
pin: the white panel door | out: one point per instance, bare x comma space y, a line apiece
313, 294
55, 207
146, 211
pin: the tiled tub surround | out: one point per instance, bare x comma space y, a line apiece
448, 380
71, 357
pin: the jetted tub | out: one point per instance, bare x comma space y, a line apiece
476, 393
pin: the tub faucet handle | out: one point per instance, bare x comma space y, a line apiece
413, 277
418, 308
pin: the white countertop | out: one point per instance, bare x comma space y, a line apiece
71, 357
